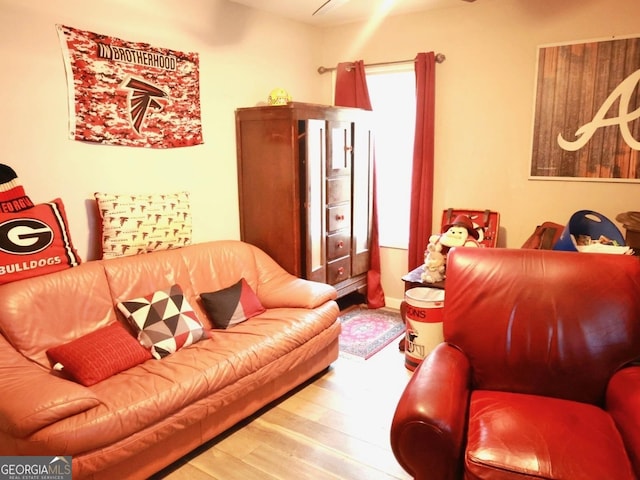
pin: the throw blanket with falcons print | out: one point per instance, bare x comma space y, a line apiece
129, 93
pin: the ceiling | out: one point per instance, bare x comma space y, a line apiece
344, 11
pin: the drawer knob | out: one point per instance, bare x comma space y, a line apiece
340, 271
339, 217
340, 244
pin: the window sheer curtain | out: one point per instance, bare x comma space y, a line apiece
421, 214
351, 91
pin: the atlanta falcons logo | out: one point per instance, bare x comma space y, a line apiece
142, 96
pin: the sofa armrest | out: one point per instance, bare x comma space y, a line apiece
427, 432
278, 288
33, 397
622, 400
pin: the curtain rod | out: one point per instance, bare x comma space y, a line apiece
439, 59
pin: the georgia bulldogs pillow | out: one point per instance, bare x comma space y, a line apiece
35, 241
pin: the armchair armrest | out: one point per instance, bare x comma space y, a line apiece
427, 432
34, 397
622, 400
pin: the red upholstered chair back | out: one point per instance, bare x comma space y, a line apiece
543, 322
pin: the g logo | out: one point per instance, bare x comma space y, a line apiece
24, 236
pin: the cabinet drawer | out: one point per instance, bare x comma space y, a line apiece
338, 190
338, 270
338, 245
338, 217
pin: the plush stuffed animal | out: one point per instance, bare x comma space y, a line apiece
460, 233
434, 262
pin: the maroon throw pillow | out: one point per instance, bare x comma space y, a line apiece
232, 305
99, 354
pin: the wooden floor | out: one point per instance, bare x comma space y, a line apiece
333, 427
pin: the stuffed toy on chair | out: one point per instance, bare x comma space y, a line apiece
460, 233
434, 262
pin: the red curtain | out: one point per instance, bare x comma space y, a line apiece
421, 213
352, 91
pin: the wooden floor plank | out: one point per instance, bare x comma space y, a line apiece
222, 466
367, 442
190, 472
340, 456
303, 407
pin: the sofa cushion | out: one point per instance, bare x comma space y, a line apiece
142, 223
99, 354
232, 305
35, 241
164, 320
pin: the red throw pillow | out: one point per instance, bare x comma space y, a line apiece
35, 241
99, 354
232, 305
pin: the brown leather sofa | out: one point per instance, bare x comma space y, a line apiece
536, 377
136, 422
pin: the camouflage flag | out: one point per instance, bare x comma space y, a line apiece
130, 93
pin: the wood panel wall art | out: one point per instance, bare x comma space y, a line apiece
587, 112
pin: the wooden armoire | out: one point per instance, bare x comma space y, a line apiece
305, 177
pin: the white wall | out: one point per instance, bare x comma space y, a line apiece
484, 105
243, 56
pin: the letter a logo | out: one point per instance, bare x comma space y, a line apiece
624, 94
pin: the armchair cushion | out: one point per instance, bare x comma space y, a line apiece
542, 437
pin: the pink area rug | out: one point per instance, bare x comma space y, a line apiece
366, 332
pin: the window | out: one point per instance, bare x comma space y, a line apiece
392, 91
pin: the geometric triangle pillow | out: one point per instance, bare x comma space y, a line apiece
164, 320
232, 305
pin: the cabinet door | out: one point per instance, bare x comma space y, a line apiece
269, 188
339, 147
362, 197
313, 148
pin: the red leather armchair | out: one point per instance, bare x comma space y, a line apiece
535, 378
